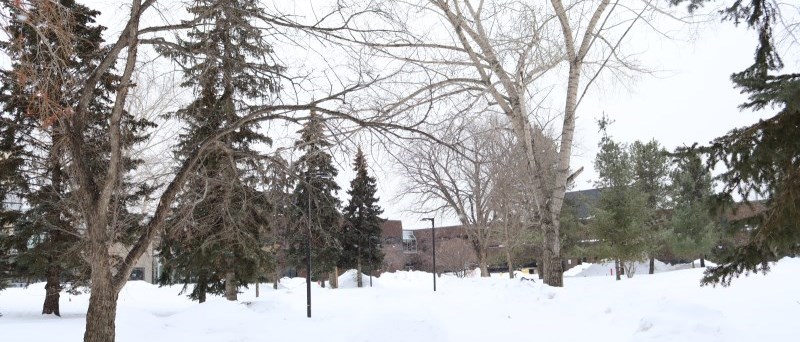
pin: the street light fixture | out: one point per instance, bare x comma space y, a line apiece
433, 238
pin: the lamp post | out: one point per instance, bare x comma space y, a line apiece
308, 255
320, 175
433, 239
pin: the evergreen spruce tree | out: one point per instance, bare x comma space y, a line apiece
362, 230
761, 159
693, 226
573, 230
316, 213
45, 231
279, 193
215, 239
651, 171
622, 211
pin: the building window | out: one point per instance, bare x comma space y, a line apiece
137, 273
409, 242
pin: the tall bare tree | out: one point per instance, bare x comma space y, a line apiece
456, 178
499, 56
508, 197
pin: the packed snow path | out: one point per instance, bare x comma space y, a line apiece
667, 306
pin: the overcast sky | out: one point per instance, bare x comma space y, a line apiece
687, 98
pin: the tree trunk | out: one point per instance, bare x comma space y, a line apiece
257, 293
100, 317
230, 286
102, 312
201, 288
617, 269
510, 264
630, 269
483, 264
540, 268
702, 261
359, 280
53, 274
553, 270
52, 291
277, 277
652, 265
334, 277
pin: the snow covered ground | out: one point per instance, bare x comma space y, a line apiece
668, 306
607, 268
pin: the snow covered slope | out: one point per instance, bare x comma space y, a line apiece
668, 306
606, 268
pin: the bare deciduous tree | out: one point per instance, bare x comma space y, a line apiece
455, 179
502, 57
508, 198
456, 256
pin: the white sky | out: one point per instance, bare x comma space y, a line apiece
689, 98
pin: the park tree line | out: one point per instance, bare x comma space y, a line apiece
80, 193
72, 183
650, 204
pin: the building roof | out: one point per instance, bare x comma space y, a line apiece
745, 210
392, 229
446, 232
583, 201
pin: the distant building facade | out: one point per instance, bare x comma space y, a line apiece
412, 249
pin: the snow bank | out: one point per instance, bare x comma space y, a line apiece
668, 306
578, 269
348, 279
607, 269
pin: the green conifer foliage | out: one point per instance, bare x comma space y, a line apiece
316, 207
362, 231
216, 236
761, 159
693, 226
622, 211
651, 171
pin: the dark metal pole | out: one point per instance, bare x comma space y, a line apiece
433, 237
370, 261
308, 256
